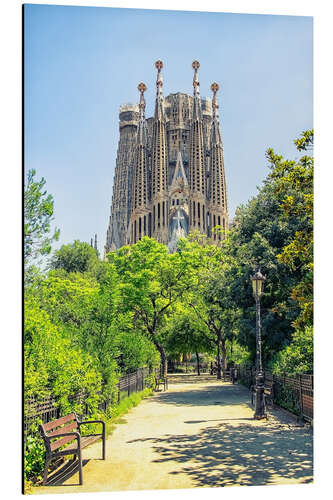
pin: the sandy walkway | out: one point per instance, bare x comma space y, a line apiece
196, 435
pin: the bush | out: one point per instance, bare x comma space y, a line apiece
297, 357
52, 362
34, 455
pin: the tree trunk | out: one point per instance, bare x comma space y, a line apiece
224, 356
218, 362
198, 362
164, 359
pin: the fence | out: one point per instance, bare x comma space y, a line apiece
47, 409
133, 382
294, 393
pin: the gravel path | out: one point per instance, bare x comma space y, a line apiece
195, 435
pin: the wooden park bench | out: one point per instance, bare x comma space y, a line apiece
160, 380
63, 431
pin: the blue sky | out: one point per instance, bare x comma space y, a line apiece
82, 63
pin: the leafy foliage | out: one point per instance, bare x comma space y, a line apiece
34, 455
297, 357
294, 181
275, 231
150, 282
186, 334
38, 211
53, 365
209, 294
76, 257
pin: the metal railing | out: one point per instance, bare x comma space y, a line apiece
292, 392
47, 409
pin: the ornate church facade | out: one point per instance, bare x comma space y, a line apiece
169, 177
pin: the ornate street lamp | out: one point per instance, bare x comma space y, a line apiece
258, 287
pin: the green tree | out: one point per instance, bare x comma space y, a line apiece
275, 230
187, 334
294, 180
136, 351
38, 212
85, 310
209, 293
151, 281
75, 257
53, 365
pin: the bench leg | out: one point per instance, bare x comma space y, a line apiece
47, 462
80, 467
103, 447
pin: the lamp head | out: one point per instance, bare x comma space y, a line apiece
258, 280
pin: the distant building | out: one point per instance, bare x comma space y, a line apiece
169, 177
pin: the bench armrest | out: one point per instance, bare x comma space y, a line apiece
92, 422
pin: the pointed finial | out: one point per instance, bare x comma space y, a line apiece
142, 88
159, 65
214, 88
159, 79
196, 83
142, 106
95, 241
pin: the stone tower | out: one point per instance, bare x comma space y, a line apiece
140, 222
159, 165
169, 176
197, 162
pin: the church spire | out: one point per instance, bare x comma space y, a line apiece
139, 215
214, 88
196, 83
215, 134
159, 91
217, 187
142, 107
159, 165
196, 92
197, 168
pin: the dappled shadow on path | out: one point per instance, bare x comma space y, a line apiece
65, 472
223, 395
230, 454
191, 378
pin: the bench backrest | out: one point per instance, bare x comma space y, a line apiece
59, 426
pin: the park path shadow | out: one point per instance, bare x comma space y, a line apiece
224, 395
229, 454
191, 378
64, 472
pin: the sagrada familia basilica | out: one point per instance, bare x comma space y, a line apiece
169, 178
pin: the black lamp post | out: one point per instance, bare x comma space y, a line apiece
258, 286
